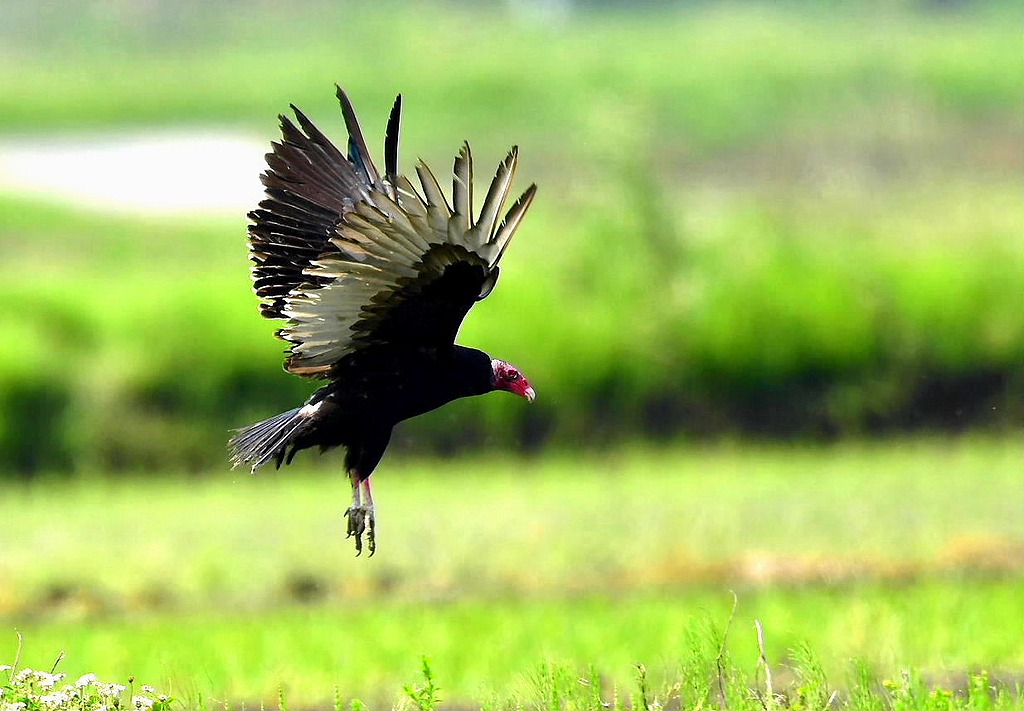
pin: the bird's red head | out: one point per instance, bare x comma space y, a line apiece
505, 376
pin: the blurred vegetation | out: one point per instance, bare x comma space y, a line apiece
778, 220
889, 513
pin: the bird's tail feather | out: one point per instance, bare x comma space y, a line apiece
263, 441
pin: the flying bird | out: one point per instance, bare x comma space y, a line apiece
373, 277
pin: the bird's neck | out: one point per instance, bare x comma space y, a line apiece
470, 372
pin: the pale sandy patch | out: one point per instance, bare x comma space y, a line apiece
152, 171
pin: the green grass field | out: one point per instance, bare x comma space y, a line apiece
940, 629
905, 556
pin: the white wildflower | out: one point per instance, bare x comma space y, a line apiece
142, 702
85, 680
55, 700
5, 667
13, 706
110, 689
47, 680
148, 689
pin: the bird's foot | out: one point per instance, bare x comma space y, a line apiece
360, 521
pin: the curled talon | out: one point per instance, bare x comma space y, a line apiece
371, 539
360, 515
357, 516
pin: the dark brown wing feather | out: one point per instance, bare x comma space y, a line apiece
358, 153
309, 185
391, 144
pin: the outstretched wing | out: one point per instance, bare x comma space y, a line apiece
352, 259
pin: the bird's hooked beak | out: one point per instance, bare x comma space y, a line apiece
522, 388
507, 377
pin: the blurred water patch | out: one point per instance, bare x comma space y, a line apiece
161, 170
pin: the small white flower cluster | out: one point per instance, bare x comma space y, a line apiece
32, 690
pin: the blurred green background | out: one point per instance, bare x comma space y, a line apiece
769, 294
778, 220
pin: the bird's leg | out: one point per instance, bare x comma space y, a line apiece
371, 539
354, 513
360, 514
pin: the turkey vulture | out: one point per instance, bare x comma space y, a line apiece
373, 278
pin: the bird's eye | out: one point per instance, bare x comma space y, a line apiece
513, 376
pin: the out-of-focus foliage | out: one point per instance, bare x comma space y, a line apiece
787, 221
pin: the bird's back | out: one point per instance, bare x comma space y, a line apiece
387, 386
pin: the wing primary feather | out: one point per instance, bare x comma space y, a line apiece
512, 219
409, 198
431, 188
357, 150
317, 136
391, 145
462, 188
497, 193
